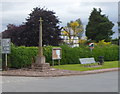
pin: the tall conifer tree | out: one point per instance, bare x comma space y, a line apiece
99, 26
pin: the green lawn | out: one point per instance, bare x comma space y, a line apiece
80, 67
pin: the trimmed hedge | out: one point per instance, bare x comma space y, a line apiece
72, 55
22, 56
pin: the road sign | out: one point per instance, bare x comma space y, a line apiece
6, 46
91, 45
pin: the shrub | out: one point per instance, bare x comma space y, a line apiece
48, 54
110, 52
22, 56
102, 42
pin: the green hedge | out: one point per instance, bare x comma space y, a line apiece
110, 53
72, 55
22, 56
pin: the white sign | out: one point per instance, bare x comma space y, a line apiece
6, 46
87, 60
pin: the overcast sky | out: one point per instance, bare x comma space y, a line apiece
15, 11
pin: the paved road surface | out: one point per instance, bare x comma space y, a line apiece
103, 82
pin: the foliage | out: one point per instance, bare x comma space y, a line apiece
28, 33
82, 41
110, 52
102, 42
76, 27
115, 41
99, 27
74, 24
15, 33
72, 30
119, 29
119, 26
23, 56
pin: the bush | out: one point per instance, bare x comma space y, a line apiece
22, 56
110, 52
115, 41
72, 55
47, 51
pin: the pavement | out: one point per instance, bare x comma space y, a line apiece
52, 72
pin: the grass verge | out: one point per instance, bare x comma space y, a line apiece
80, 67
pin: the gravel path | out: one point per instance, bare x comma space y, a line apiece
51, 73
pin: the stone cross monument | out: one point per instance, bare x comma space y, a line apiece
40, 60
40, 53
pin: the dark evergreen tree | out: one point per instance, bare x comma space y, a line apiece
99, 27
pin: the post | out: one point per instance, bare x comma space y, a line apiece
59, 62
52, 62
91, 50
6, 61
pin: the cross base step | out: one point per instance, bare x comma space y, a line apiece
41, 67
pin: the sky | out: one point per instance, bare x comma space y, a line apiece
16, 11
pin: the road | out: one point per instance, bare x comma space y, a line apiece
102, 82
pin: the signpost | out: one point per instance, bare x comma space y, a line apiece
56, 55
6, 48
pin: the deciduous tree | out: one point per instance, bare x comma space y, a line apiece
73, 29
28, 33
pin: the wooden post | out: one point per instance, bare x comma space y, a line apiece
52, 62
59, 62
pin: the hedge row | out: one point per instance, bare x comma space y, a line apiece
72, 55
23, 56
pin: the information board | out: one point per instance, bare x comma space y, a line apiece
56, 53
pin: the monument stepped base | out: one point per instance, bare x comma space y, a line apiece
40, 64
41, 67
